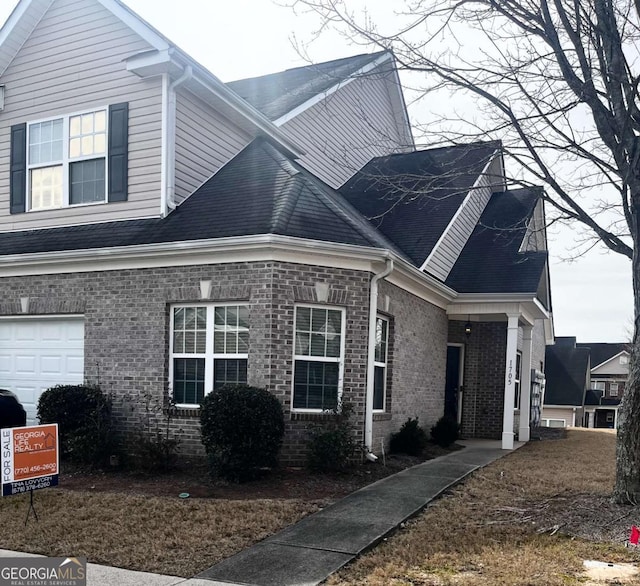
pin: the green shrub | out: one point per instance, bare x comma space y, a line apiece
332, 445
445, 431
83, 415
411, 439
242, 429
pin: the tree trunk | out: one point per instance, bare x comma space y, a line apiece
627, 490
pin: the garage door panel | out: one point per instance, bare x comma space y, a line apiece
36, 354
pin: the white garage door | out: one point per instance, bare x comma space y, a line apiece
36, 354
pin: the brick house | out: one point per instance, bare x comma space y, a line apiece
163, 233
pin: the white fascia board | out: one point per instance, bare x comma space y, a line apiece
226, 250
487, 304
322, 95
572, 407
172, 61
453, 221
19, 12
232, 100
411, 143
142, 28
623, 352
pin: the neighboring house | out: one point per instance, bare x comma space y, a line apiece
609, 374
567, 381
162, 234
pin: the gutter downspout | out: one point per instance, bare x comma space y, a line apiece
371, 350
170, 163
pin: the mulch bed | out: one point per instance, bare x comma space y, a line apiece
284, 483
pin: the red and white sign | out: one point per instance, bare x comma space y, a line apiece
29, 458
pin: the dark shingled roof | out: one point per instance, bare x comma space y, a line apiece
260, 191
566, 369
412, 197
278, 93
603, 351
491, 262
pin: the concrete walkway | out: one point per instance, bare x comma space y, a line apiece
309, 551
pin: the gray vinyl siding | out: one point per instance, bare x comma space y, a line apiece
14, 41
73, 61
205, 141
341, 133
535, 238
457, 233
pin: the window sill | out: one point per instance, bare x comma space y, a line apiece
319, 416
382, 416
193, 412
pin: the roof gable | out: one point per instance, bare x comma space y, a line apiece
411, 198
491, 261
604, 352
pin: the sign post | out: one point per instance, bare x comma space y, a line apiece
29, 459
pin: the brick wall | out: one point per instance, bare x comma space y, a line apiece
484, 364
127, 316
417, 361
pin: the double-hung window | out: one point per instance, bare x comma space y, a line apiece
319, 350
598, 385
67, 160
380, 364
613, 390
209, 348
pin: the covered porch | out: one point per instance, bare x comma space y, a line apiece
495, 361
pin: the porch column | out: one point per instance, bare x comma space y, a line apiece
509, 377
525, 384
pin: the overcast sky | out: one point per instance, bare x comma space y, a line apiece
592, 296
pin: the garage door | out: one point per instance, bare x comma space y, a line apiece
36, 354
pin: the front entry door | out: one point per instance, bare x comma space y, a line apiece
452, 386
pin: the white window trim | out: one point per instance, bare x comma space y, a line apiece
545, 422
66, 160
614, 392
339, 359
383, 365
208, 353
598, 382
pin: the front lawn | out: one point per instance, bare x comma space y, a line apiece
530, 518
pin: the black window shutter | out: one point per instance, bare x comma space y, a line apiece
118, 151
18, 169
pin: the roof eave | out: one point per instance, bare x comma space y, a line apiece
173, 61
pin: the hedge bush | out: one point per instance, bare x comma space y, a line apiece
83, 415
445, 431
242, 430
332, 445
410, 439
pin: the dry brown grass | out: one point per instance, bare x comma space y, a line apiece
500, 527
164, 535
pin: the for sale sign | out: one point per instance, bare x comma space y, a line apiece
29, 457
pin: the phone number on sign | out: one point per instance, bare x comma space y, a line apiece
51, 467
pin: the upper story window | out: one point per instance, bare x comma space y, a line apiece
613, 390
69, 160
598, 385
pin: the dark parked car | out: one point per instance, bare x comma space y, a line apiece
12, 413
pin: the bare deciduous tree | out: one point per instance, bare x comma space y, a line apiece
557, 82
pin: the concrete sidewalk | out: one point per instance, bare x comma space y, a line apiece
309, 551
312, 549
